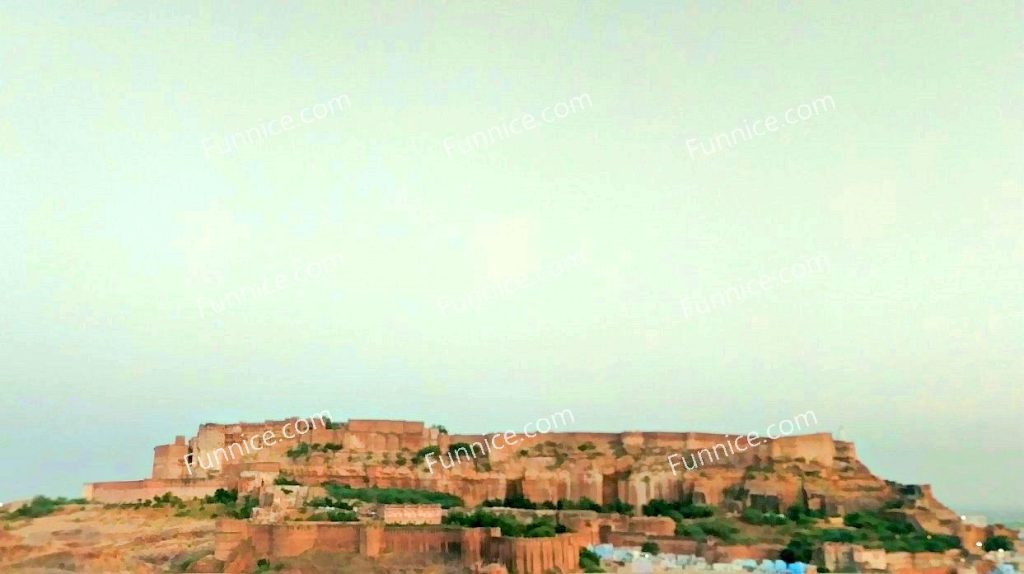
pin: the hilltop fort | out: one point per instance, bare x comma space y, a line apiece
628, 471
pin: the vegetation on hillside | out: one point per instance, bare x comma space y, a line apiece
302, 449
871, 530
678, 510
997, 543
391, 495
42, 506
701, 529
422, 453
539, 527
590, 561
756, 517
519, 501
328, 502
333, 516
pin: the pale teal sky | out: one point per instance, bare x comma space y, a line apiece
116, 228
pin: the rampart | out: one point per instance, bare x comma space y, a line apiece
239, 544
140, 490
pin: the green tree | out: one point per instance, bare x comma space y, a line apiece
422, 453
997, 543
590, 561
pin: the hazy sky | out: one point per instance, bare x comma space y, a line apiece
134, 254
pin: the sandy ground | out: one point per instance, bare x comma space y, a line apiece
109, 540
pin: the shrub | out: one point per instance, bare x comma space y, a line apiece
422, 453
333, 516
650, 548
328, 502
167, 498
392, 495
586, 446
590, 561
332, 446
754, 516
581, 504
872, 530
690, 531
302, 449
514, 501
465, 447
541, 527
42, 506
221, 496
617, 506
718, 528
263, 566
997, 543
797, 550
245, 511
677, 510
285, 480
802, 515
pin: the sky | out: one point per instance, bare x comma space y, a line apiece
862, 260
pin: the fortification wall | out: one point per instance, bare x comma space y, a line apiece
537, 555
239, 542
168, 459
818, 447
134, 490
410, 513
422, 540
294, 538
666, 544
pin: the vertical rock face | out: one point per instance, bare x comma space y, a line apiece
728, 471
